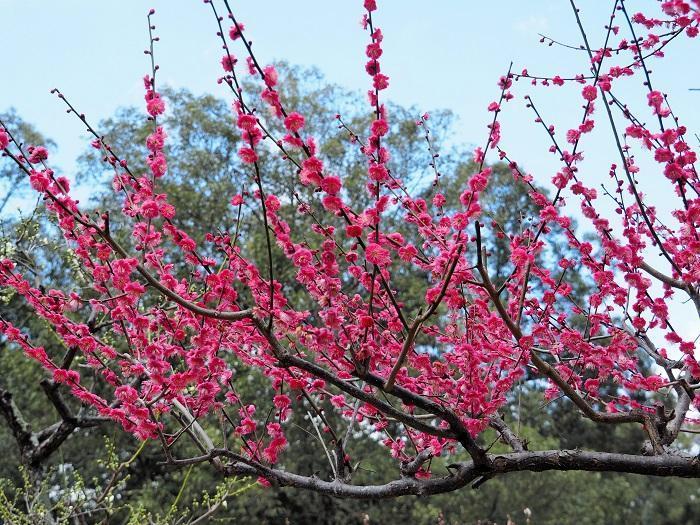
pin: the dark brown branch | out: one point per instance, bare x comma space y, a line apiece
422, 318
410, 468
457, 429
52, 437
543, 366
694, 293
36, 447
20, 428
461, 474
167, 292
507, 434
358, 393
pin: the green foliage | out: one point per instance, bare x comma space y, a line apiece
11, 179
65, 496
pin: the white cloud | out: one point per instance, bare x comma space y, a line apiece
532, 25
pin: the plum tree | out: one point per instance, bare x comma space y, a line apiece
184, 317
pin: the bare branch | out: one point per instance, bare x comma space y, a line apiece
461, 474
497, 423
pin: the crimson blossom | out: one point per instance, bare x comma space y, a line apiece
180, 321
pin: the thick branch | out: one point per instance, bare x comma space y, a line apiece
410, 468
507, 434
358, 393
457, 428
464, 473
674, 283
19, 427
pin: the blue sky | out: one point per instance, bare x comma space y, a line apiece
447, 55
439, 54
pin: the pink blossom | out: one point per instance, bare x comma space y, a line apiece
272, 203
663, 155
331, 185
247, 122
149, 209
378, 172
39, 180
479, 181
380, 127
374, 50
271, 76
372, 67
549, 213
302, 257
155, 105
236, 32
408, 252
247, 155
656, 100
156, 140
332, 203
377, 255
338, 401
365, 321
590, 93
353, 230
61, 375
294, 122
247, 426
380, 81
228, 62
572, 136
157, 164
37, 154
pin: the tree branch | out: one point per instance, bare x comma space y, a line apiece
461, 474
20, 428
497, 423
